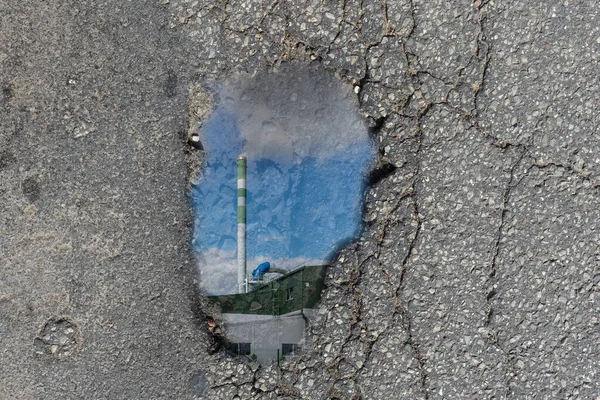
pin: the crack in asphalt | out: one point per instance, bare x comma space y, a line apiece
352, 290
291, 48
491, 281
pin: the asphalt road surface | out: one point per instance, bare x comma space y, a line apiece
476, 276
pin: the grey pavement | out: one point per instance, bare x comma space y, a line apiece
478, 271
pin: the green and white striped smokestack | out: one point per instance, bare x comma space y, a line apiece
241, 224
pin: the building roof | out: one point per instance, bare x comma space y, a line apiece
294, 291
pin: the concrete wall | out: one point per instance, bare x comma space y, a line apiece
265, 333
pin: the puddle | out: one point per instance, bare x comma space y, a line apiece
307, 154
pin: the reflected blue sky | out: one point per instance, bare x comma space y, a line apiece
308, 154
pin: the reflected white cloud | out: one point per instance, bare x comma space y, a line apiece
218, 269
298, 113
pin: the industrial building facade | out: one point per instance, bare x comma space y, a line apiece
269, 322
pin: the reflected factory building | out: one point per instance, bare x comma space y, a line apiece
269, 321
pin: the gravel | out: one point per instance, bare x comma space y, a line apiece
478, 269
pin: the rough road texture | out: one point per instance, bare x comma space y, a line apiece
479, 268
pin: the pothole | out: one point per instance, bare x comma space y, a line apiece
59, 337
287, 157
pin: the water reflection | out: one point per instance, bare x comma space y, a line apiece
307, 152
269, 322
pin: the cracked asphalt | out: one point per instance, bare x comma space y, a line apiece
478, 270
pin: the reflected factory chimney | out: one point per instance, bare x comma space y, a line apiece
241, 225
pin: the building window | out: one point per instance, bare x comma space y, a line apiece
242, 349
289, 348
289, 294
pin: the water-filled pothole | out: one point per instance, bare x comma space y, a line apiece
287, 156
